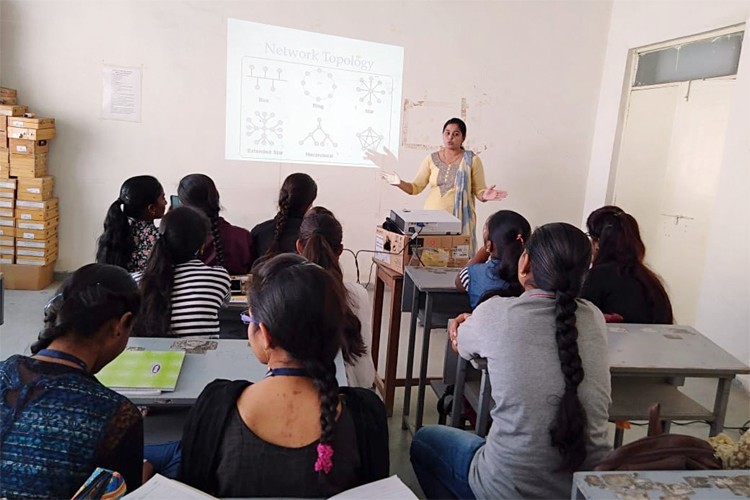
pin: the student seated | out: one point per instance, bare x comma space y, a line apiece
279, 235
547, 360
320, 237
495, 265
227, 246
294, 433
619, 283
181, 295
58, 422
129, 230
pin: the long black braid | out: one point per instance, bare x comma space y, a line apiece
216, 237
199, 191
559, 255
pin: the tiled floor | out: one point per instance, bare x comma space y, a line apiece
23, 319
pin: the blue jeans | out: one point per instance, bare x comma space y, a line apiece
441, 457
164, 457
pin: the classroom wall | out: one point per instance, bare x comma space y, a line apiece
529, 71
723, 312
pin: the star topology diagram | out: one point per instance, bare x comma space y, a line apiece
301, 97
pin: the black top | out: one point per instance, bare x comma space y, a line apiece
263, 235
251, 467
203, 448
614, 293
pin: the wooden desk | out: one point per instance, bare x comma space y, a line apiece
232, 360
385, 277
693, 484
438, 286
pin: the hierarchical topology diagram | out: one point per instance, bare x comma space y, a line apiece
314, 107
319, 136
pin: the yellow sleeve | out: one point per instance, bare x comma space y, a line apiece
478, 184
422, 178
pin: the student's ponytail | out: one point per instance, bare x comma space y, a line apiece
319, 233
559, 255
115, 245
156, 286
183, 232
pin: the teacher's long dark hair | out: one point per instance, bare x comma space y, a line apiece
183, 232
559, 255
302, 305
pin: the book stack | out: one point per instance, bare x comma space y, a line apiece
29, 213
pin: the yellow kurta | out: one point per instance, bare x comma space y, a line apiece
441, 178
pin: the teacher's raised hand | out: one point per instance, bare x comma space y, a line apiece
492, 194
385, 160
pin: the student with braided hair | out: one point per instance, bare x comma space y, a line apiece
59, 423
279, 235
227, 246
320, 241
294, 433
129, 230
547, 358
619, 283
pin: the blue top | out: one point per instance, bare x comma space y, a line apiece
60, 423
479, 279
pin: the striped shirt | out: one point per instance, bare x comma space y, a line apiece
198, 293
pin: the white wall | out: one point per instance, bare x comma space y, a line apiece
530, 72
723, 308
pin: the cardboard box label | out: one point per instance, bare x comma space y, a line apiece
379, 243
52, 242
22, 149
6, 203
25, 216
8, 184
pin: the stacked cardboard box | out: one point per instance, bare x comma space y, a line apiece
29, 213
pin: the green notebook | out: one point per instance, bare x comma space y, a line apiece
143, 370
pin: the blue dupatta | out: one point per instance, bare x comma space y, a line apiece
461, 206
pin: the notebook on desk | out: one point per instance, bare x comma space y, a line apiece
143, 372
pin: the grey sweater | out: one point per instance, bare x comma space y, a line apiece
517, 336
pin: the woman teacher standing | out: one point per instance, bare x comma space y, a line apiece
455, 176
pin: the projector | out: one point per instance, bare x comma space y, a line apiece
425, 221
